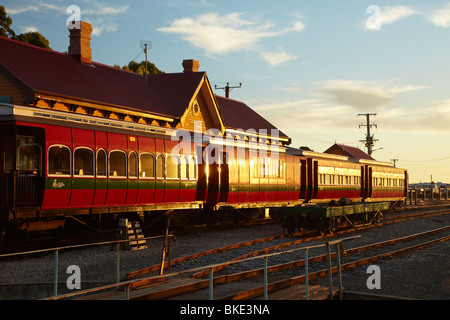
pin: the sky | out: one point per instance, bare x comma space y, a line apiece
309, 67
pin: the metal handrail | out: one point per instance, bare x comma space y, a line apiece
128, 284
57, 249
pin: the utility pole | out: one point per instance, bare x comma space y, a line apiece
395, 162
228, 89
370, 141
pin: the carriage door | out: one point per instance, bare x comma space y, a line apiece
28, 175
217, 176
7, 151
369, 183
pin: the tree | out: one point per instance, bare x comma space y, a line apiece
34, 38
139, 68
5, 24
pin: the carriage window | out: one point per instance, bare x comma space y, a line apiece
132, 165
59, 160
29, 157
7, 164
117, 164
184, 168
83, 162
160, 166
173, 162
192, 169
147, 166
101, 163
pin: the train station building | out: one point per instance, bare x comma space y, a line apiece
73, 83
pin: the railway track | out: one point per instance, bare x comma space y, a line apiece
250, 278
303, 238
227, 275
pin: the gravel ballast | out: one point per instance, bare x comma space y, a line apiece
421, 274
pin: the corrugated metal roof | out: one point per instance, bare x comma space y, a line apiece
53, 72
238, 115
348, 151
47, 71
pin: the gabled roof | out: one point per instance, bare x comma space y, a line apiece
42, 72
352, 152
238, 115
47, 71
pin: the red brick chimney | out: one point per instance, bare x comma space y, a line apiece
80, 41
191, 65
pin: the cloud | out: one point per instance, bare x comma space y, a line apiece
21, 9
100, 27
441, 17
218, 34
277, 58
98, 14
388, 15
432, 118
101, 10
29, 29
362, 95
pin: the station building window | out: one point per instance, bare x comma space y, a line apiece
101, 163
147, 165
59, 160
83, 162
117, 164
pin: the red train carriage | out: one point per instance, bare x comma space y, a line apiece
49, 170
386, 183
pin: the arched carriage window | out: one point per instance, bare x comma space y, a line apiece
59, 160
160, 166
132, 165
192, 169
184, 168
147, 165
101, 163
117, 164
83, 162
173, 164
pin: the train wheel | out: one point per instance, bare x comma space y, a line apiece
8, 236
3, 241
289, 224
328, 225
378, 217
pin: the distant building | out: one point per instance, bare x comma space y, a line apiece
351, 152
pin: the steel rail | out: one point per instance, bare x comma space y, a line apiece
282, 284
277, 247
140, 272
259, 291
